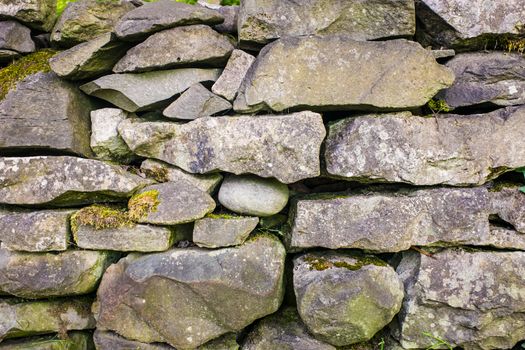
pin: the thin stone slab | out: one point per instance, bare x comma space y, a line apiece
233, 74
445, 149
16, 37
37, 14
105, 141
74, 341
214, 231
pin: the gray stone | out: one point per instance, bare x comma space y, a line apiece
46, 275
163, 14
188, 296
508, 203
443, 53
74, 341
89, 59
15, 36
196, 102
98, 16
37, 14
170, 203
470, 299
216, 231
337, 73
147, 91
252, 195
285, 147
231, 15
21, 318
8, 56
64, 181
263, 21
345, 299
196, 45
44, 112
232, 76
35, 231
445, 149
283, 330
106, 143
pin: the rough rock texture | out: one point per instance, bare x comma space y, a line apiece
75, 341
196, 102
197, 45
90, 59
35, 231
99, 16
290, 143
252, 195
508, 203
470, 299
37, 14
445, 149
263, 21
216, 231
63, 181
106, 143
345, 299
337, 73
45, 275
231, 15
15, 36
233, 74
163, 14
147, 91
44, 112
186, 297
495, 77
20, 318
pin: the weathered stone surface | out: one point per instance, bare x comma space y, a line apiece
473, 300
15, 36
47, 113
186, 297
147, 91
263, 21
445, 149
37, 14
289, 143
252, 195
99, 16
163, 14
337, 73
216, 231
283, 330
171, 203
21, 318
105, 140
35, 231
63, 181
496, 77
45, 275
90, 59
74, 341
196, 102
231, 15
443, 53
232, 76
163, 172
508, 203
345, 299
197, 45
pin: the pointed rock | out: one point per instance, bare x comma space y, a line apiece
216, 231
232, 76
37, 14
15, 36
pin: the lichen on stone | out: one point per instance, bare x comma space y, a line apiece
158, 173
320, 264
140, 205
100, 217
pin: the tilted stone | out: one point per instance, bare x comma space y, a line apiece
163, 14
337, 73
186, 297
446, 149
345, 299
197, 45
464, 298
232, 76
61, 181
231, 16
105, 140
46, 113
216, 231
75, 340
15, 36
147, 91
37, 14
290, 143
264, 21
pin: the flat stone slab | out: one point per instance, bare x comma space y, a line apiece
16, 37
214, 231
76, 341
37, 14
290, 143
449, 149
105, 141
233, 74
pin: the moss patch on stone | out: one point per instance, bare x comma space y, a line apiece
223, 216
100, 217
140, 205
321, 264
158, 174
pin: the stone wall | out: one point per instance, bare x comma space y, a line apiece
308, 175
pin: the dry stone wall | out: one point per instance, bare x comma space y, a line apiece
300, 175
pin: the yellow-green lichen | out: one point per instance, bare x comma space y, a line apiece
223, 216
140, 205
158, 174
100, 217
321, 264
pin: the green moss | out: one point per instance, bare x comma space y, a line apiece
100, 217
158, 174
23, 67
140, 205
223, 216
321, 264
439, 106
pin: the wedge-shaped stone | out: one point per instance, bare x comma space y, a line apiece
74, 341
216, 231
64, 181
37, 14
46, 113
337, 73
147, 91
197, 45
263, 21
15, 36
473, 300
233, 74
45, 275
447, 149
186, 297
290, 143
